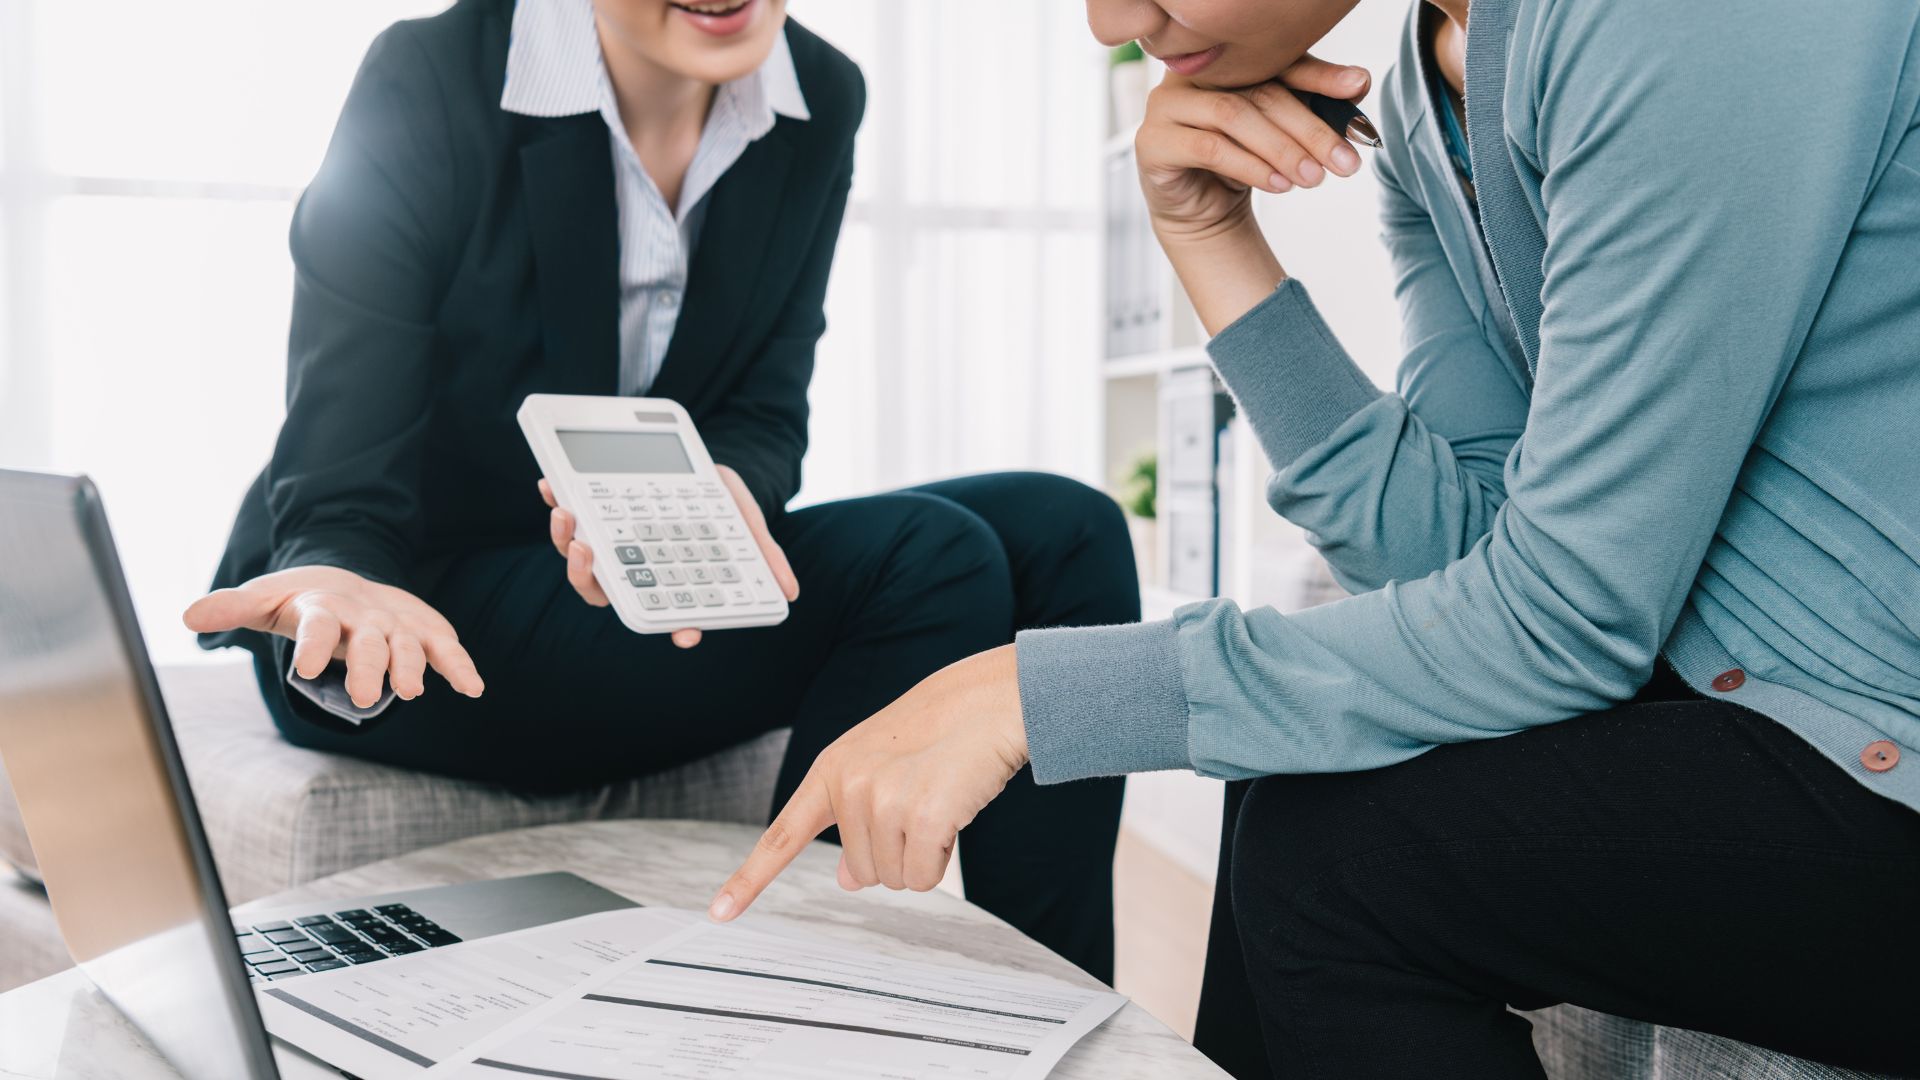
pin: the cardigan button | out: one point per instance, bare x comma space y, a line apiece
1729, 680
1880, 756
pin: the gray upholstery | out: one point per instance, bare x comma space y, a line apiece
1579, 1044
30, 945
278, 815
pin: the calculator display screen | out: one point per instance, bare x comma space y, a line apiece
625, 452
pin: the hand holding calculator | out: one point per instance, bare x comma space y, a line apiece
670, 547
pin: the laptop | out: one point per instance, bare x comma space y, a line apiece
85, 740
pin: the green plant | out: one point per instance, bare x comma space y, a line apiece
1140, 487
1125, 54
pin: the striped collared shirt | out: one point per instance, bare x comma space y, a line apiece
554, 68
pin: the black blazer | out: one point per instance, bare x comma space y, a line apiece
451, 258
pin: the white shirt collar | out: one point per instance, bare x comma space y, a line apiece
554, 68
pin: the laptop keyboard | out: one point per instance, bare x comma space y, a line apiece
281, 950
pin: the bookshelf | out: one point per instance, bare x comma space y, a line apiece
1154, 366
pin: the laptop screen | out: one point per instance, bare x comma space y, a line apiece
85, 743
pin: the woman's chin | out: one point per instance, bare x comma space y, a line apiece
716, 64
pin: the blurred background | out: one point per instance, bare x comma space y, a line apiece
995, 304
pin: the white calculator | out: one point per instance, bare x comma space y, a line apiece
669, 545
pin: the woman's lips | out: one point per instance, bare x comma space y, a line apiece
1191, 63
722, 25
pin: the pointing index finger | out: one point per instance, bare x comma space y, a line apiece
805, 816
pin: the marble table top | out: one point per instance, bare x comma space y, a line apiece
60, 1028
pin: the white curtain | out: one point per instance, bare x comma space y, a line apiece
149, 159
963, 314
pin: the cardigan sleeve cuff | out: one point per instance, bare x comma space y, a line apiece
1103, 700
1294, 382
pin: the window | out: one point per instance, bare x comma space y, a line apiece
152, 153
964, 309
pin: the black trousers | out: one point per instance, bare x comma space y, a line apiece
1676, 860
892, 588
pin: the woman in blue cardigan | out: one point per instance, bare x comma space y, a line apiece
1625, 708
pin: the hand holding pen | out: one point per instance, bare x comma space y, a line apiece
1286, 133
1201, 152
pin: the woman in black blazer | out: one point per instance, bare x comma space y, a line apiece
601, 197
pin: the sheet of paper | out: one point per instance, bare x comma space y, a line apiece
397, 1018
727, 1001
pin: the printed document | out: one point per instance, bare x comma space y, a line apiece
650, 993
399, 1017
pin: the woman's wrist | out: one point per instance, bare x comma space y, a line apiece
1227, 269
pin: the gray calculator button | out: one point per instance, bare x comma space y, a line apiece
677, 532
712, 598
648, 534
610, 511
726, 575
739, 596
687, 552
716, 552
682, 598
641, 579
671, 577
659, 553
653, 600
630, 554
704, 531
700, 575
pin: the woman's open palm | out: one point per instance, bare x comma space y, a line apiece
386, 635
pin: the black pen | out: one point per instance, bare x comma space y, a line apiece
1342, 116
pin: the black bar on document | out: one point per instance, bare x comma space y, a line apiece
796, 1022
856, 990
353, 1029
528, 1070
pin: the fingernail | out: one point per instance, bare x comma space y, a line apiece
1310, 172
1354, 77
722, 908
1279, 184
1345, 161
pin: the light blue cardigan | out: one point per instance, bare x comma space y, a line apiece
1697, 436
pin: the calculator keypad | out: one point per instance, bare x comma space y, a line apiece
682, 545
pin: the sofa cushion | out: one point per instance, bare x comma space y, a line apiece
1580, 1044
13, 835
278, 815
30, 945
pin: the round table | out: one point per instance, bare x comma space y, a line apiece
60, 1028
